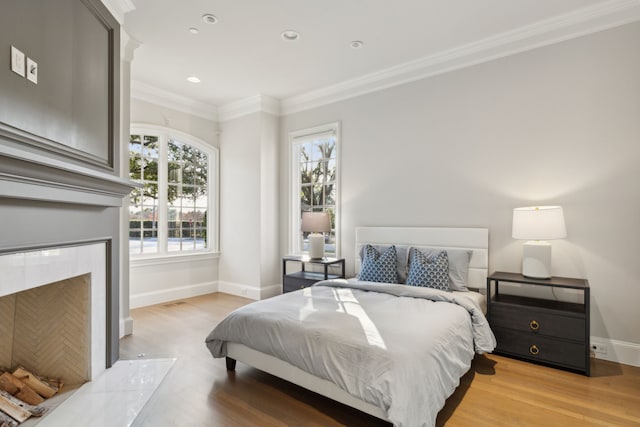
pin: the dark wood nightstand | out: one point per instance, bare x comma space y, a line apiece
550, 332
302, 279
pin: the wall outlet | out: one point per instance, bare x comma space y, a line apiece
17, 61
32, 70
599, 348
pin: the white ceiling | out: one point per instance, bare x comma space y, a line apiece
243, 54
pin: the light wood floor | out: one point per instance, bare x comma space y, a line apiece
497, 391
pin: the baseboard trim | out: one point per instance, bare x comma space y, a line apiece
126, 326
239, 289
165, 295
271, 291
248, 291
616, 351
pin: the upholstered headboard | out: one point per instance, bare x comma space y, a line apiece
474, 239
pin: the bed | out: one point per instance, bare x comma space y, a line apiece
391, 350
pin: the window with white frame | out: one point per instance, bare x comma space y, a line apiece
315, 182
172, 212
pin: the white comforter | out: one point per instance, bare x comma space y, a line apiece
401, 348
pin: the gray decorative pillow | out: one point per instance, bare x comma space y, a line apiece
402, 259
458, 265
377, 267
429, 271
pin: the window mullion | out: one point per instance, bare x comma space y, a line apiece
296, 244
163, 177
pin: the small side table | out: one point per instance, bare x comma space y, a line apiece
550, 332
302, 279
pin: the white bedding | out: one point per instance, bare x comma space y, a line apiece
401, 348
479, 299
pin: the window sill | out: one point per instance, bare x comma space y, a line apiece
150, 260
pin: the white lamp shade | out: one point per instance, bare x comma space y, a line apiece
315, 222
538, 223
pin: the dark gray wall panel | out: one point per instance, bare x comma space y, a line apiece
72, 109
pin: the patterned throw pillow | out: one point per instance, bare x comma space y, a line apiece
378, 267
429, 271
458, 265
402, 259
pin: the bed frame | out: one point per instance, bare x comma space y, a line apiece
475, 239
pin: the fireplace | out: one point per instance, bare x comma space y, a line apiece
61, 193
60, 220
53, 311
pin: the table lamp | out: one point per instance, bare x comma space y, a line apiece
538, 224
316, 223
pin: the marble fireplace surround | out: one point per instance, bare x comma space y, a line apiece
58, 300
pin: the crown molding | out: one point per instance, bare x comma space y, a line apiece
584, 21
249, 105
119, 8
578, 23
128, 46
164, 98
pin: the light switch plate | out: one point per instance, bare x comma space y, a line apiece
32, 70
17, 61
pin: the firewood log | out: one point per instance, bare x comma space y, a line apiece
36, 411
12, 409
32, 380
17, 388
7, 421
8, 384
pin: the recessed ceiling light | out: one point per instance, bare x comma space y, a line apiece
194, 30
290, 35
357, 44
209, 18
193, 79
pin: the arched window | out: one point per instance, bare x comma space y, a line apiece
174, 210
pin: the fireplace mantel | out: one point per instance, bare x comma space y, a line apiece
33, 176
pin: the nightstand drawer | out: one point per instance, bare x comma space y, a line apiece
536, 321
540, 348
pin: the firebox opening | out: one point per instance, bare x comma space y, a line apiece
47, 330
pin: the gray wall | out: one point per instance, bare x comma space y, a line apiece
240, 201
249, 239
146, 112
153, 282
556, 125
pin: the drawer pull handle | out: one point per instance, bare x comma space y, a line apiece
534, 349
534, 325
